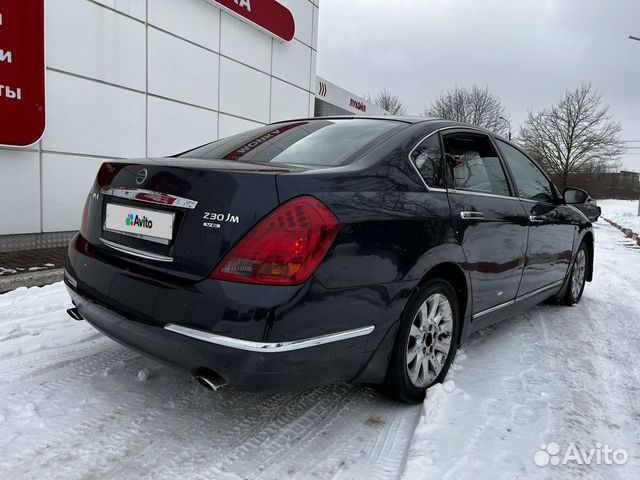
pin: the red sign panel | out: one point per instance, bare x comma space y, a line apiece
22, 114
269, 15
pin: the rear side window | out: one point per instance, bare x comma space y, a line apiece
427, 157
473, 164
530, 181
308, 142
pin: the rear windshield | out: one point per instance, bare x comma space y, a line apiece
308, 142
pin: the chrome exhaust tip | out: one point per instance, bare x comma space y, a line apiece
75, 314
211, 381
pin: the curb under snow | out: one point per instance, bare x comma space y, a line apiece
627, 231
31, 279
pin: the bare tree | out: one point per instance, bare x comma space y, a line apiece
475, 105
390, 103
576, 135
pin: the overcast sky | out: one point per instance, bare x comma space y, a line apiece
527, 52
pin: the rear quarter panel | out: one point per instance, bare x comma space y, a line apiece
389, 221
392, 232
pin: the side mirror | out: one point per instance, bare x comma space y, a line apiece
574, 195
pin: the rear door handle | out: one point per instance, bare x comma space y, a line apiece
471, 215
536, 219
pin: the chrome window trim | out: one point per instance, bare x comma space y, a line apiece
464, 192
518, 299
465, 127
528, 200
452, 190
129, 193
136, 252
263, 347
493, 195
429, 189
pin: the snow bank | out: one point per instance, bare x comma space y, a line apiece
623, 212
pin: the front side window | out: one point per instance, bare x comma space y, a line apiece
530, 181
321, 142
473, 164
427, 157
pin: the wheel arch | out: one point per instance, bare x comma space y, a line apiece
453, 273
445, 261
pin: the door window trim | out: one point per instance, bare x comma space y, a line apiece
482, 194
415, 167
478, 131
515, 184
493, 139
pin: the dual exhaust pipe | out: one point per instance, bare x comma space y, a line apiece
205, 377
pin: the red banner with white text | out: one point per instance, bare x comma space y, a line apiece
22, 72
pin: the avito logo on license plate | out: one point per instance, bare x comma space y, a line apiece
139, 221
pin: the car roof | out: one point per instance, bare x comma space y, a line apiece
397, 118
437, 123
440, 122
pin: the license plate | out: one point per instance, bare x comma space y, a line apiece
139, 222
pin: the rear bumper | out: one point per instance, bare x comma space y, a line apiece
254, 371
257, 338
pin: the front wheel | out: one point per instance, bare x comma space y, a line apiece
577, 277
426, 342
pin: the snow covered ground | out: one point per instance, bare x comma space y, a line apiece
623, 212
553, 375
74, 404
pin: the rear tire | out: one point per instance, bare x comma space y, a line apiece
577, 277
426, 342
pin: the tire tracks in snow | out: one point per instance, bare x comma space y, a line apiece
93, 359
41, 362
91, 418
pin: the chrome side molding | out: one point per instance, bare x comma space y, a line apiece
267, 347
136, 252
518, 299
149, 196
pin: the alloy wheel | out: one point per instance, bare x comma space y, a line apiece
429, 341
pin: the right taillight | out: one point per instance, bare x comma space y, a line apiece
84, 224
284, 248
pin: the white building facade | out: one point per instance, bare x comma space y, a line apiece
145, 78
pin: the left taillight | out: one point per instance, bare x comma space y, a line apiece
284, 248
84, 224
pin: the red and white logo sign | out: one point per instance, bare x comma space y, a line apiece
322, 91
268, 15
22, 112
358, 105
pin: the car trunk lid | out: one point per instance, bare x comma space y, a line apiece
178, 217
